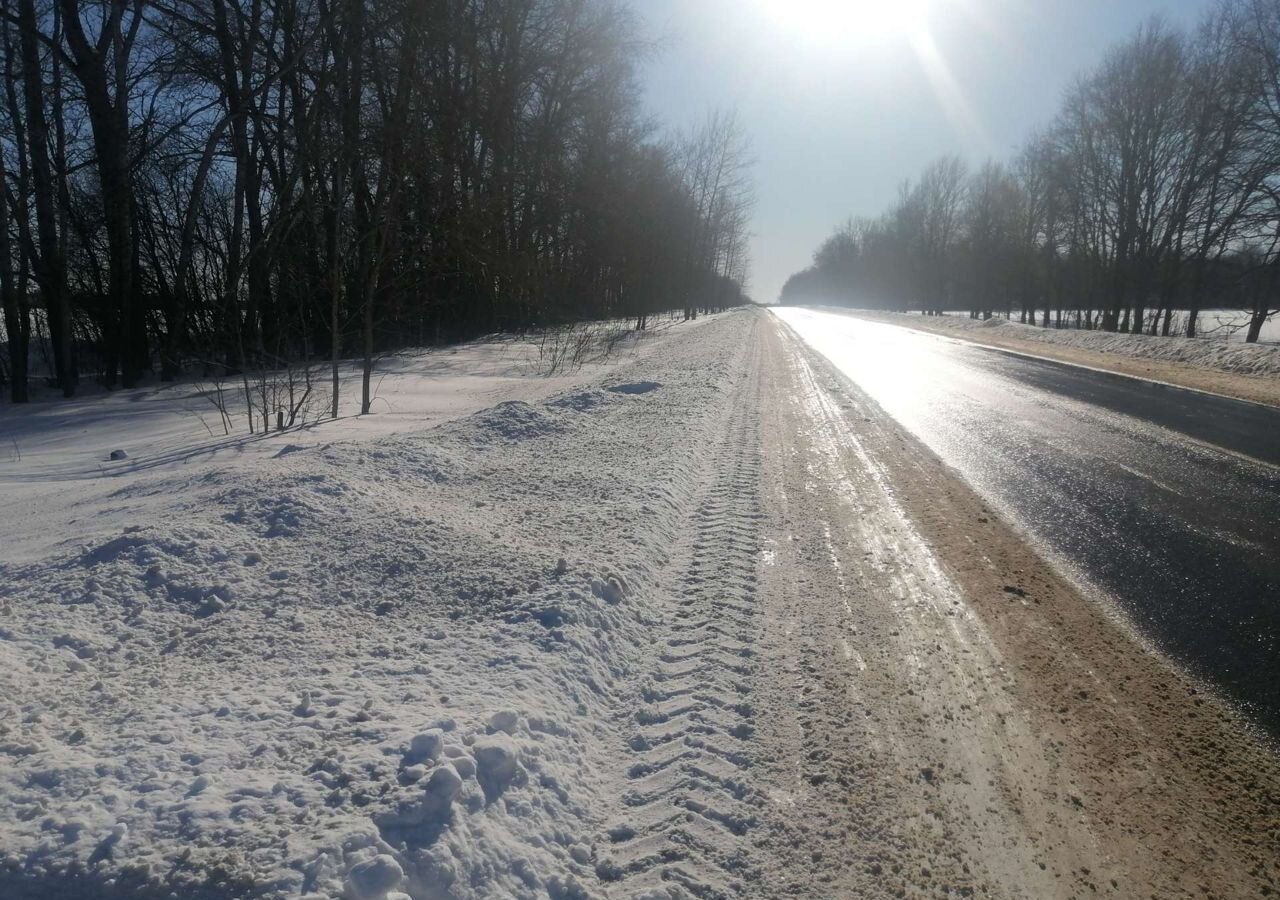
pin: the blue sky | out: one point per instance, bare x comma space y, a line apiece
838, 120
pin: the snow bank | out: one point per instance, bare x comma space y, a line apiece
1221, 355
372, 668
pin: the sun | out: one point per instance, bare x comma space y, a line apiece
849, 21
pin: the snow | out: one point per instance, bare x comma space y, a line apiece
426, 747
1220, 354
372, 658
54, 451
374, 878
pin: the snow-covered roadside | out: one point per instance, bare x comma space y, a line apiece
55, 462
1219, 355
342, 662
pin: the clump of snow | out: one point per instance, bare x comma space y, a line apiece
505, 721
611, 590
432, 806
426, 747
497, 764
374, 878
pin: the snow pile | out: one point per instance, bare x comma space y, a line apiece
1221, 355
514, 421
396, 666
583, 401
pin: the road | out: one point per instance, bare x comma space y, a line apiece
1166, 502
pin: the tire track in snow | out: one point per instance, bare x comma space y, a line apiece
691, 802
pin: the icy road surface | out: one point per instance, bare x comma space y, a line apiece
1168, 500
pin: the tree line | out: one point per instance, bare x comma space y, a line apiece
1155, 189
197, 186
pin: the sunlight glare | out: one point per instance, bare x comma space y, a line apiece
843, 22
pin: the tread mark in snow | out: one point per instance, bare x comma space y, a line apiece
691, 800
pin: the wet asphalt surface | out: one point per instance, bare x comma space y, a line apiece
1166, 500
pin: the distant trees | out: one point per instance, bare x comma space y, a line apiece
224, 186
1155, 189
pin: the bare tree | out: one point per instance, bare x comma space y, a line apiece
49, 261
1156, 188
13, 280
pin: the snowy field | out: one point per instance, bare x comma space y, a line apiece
368, 657
1217, 354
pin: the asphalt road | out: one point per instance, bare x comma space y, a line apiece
1166, 501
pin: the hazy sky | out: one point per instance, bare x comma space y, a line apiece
841, 108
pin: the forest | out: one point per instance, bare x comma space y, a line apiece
1154, 194
213, 187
